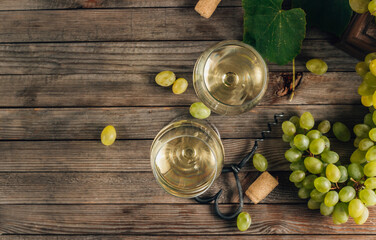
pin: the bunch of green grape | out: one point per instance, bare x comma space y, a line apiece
363, 6
338, 188
367, 70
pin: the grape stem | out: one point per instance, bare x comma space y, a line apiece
293, 79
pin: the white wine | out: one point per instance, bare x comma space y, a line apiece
186, 157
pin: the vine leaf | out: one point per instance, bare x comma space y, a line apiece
277, 34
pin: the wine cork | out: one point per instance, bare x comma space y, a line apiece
206, 7
261, 188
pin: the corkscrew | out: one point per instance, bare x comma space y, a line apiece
235, 169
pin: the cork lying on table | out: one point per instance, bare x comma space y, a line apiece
206, 7
261, 187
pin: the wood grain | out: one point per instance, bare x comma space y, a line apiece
133, 90
168, 219
139, 57
135, 122
92, 156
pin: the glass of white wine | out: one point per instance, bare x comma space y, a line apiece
230, 77
187, 156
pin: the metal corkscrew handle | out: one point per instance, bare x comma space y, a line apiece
235, 169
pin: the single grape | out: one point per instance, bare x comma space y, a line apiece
243, 221
260, 162
295, 120
165, 78
361, 68
301, 142
317, 196
325, 210
108, 135
346, 194
361, 130
372, 65
365, 90
307, 121
371, 154
369, 58
317, 146
359, 6
341, 213
327, 142
298, 184
297, 176
368, 120
179, 86
358, 156
322, 184
368, 197
372, 7
370, 169
370, 183
298, 165
331, 199
287, 138
317, 66
308, 182
313, 134
329, 157
355, 171
370, 79
344, 174
363, 218
313, 165
332, 173
341, 132
304, 193
324, 126
293, 155
288, 128
356, 208
367, 101
365, 144
357, 141
313, 205
199, 110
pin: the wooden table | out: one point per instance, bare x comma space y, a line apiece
69, 68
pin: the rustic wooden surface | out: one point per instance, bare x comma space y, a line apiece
69, 68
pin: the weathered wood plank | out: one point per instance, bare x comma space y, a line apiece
133, 90
169, 219
139, 57
145, 122
92, 156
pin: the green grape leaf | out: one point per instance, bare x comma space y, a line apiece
277, 34
331, 16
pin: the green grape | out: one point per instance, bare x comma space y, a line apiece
313, 134
165, 78
332, 173
260, 162
370, 169
369, 58
303, 193
179, 86
308, 182
370, 183
317, 66
371, 154
199, 110
356, 208
367, 101
361, 68
325, 210
295, 120
301, 142
324, 126
288, 128
368, 197
358, 156
372, 7
322, 184
313, 205
357, 141
298, 184
341, 132
317, 146
313, 165
359, 6
317, 196
341, 213
243, 221
344, 174
365, 90
361, 130
287, 138
293, 155
365, 144
108, 135
327, 142
370, 79
363, 218
346, 194
368, 120
307, 121
372, 66
329, 157
331, 199
355, 171
298, 165
297, 176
